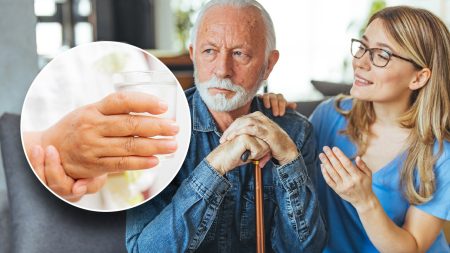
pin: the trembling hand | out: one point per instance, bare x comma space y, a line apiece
104, 137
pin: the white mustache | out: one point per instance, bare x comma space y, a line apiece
226, 84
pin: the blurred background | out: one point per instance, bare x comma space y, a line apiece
313, 36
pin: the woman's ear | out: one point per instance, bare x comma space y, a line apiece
420, 79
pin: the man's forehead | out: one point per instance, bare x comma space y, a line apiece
226, 28
246, 18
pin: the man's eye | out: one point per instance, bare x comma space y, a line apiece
208, 51
238, 53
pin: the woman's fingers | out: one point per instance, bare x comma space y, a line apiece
278, 103
281, 104
362, 166
266, 100
328, 179
334, 161
334, 175
80, 187
56, 178
291, 105
37, 161
274, 105
345, 162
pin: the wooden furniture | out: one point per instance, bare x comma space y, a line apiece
180, 65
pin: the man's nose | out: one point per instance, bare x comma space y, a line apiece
224, 66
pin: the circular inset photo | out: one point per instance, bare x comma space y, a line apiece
105, 126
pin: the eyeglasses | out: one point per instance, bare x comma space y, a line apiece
379, 57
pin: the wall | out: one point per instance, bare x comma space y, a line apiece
18, 60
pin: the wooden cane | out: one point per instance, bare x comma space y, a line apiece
259, 205
260, 237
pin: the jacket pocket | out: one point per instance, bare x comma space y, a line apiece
248, 212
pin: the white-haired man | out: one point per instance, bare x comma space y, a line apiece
209, 207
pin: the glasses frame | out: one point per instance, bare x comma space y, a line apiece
384, 50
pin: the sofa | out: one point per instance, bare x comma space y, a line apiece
34, 220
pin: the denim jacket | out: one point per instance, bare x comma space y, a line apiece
202, 211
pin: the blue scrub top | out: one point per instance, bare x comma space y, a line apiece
345, 230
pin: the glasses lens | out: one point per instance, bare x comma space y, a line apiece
380, 57
358, 49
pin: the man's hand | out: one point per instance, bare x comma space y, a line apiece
103, 137
47, 166
227, 155
258, 125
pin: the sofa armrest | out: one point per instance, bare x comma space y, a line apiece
42, 222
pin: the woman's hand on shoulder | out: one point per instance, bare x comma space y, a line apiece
278, 103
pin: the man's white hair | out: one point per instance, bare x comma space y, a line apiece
270, 30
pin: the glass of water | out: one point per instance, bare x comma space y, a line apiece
159, 83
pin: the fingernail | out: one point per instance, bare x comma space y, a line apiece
174, 127
172, 145
153, 161
163, 105
321, 156
80, 189
51, 151
326, 149
335, 149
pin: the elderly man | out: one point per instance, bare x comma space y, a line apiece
209, 207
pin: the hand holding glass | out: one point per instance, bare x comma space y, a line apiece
161, 84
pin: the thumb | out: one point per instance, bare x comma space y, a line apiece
362, 166
37, 157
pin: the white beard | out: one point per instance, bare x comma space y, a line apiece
219, 102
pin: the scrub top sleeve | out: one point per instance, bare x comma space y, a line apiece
439, 205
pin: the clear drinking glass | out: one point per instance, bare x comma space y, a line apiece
161, 84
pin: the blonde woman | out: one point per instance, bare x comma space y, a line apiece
386, 150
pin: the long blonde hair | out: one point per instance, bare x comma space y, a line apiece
426, 40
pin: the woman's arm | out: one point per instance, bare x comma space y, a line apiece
417, 234
354, 184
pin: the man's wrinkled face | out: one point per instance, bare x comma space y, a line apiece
229, 57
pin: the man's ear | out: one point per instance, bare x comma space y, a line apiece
273, 59
191, 52
420, 79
